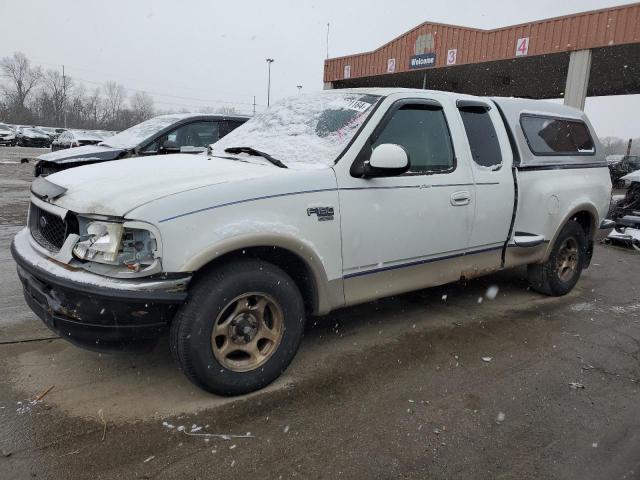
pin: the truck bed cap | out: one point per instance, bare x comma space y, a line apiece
512, 109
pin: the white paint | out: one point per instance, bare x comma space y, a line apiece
198, 203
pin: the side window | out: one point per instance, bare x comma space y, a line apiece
198, 134
422, 130
556, 136
228, 126
483, 140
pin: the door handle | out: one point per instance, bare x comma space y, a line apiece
460, 198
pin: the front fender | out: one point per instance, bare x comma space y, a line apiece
329, 293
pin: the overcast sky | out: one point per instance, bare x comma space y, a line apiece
193, 53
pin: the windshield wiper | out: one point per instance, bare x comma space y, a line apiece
256, 153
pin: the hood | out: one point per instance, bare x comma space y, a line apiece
89, 153
633, 176
115, 188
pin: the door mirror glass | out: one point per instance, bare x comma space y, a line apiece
387, 159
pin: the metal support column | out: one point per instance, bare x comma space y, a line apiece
575, 91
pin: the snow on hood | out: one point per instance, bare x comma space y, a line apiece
115, 188
88, 152
633, 176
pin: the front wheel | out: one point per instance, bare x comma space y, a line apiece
560, 273
240, 327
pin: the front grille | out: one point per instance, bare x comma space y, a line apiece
49, 230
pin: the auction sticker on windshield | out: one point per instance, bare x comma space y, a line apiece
357, 105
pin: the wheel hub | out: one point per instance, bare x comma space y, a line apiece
243, 328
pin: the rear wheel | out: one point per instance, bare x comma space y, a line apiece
560, 273
240, 328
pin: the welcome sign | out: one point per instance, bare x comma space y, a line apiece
423, 60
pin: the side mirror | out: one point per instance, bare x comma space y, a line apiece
387, 160
170, 146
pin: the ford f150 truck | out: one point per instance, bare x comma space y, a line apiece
324, 200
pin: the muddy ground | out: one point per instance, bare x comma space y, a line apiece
432, 384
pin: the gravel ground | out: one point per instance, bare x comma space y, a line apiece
430, 384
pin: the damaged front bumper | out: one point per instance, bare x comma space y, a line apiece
96, 312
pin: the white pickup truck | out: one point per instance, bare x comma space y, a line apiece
323, 201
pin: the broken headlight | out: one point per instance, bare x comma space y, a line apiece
114, 244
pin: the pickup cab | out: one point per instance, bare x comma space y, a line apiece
323, 201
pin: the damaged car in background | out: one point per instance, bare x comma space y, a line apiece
32, 137
626, 213
325, 200
164, 134
76, 138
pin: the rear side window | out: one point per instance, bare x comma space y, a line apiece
556, 136
423, 132
483, 140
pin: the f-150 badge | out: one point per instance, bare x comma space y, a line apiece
323, 213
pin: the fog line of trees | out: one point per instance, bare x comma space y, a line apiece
30, 95
618, 146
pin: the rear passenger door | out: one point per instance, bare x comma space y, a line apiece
491, 161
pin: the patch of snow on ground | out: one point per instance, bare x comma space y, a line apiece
582, 307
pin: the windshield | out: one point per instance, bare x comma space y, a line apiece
134, 136
306, 131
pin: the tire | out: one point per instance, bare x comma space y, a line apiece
219, 363
560, 273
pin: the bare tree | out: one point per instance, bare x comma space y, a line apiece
57, 89
613, 145
141, 106
21, 80
114, 98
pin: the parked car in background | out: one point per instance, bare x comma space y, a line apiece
76, 138
50, 131
7, 135
624, 166
174, 133
323, 201
32, 137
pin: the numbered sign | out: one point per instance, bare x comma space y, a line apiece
452, 56
391, 65
347, 71
522, 47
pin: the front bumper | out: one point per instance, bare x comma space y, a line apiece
92, 311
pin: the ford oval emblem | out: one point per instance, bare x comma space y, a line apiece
43, 222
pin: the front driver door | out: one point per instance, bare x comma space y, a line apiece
409, 231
